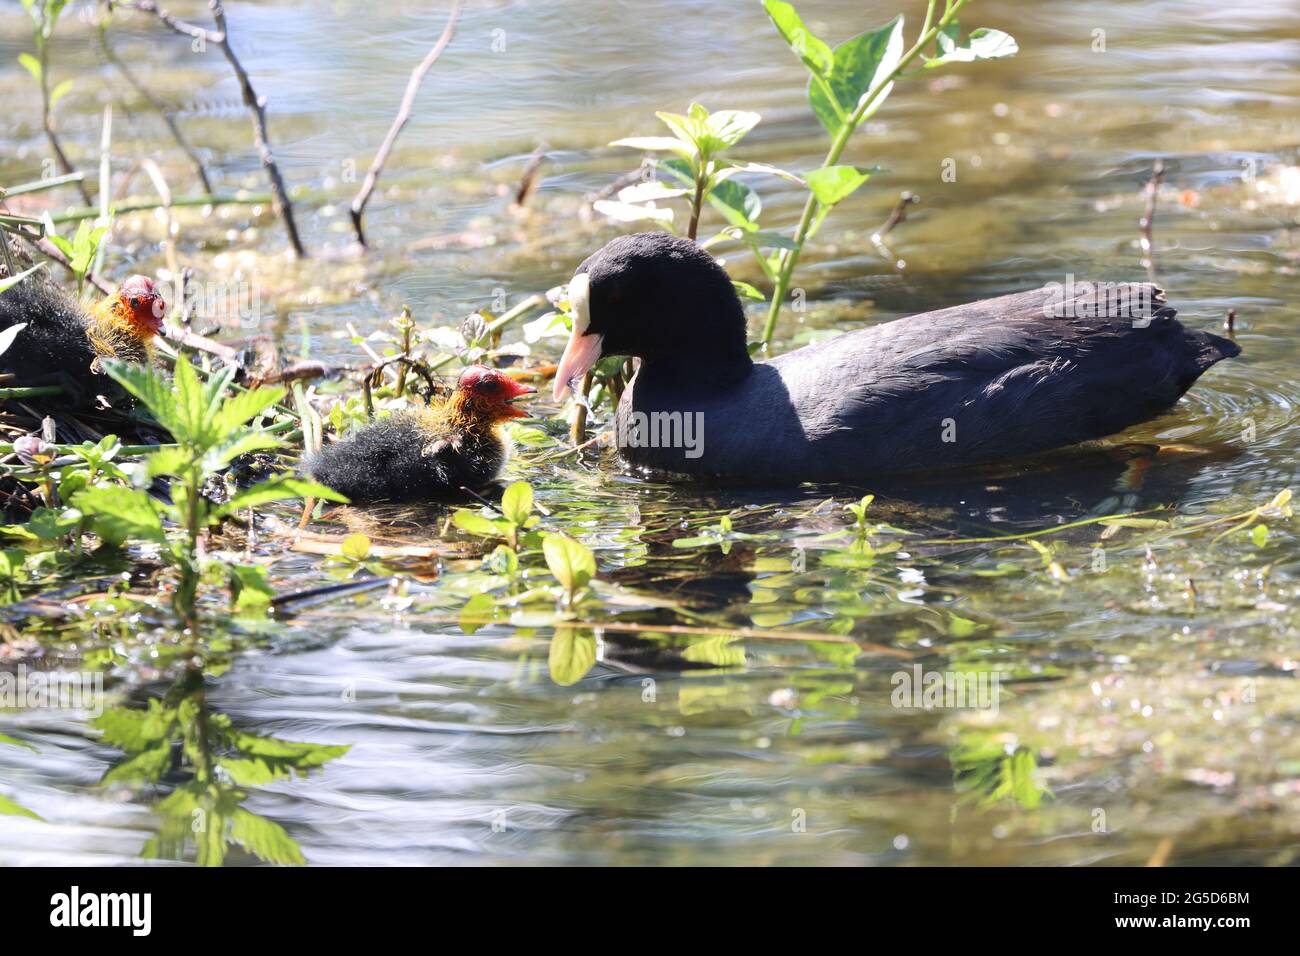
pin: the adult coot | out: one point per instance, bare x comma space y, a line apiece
974, 384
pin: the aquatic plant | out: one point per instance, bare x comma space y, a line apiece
210, 433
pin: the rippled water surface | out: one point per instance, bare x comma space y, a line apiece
1148, 706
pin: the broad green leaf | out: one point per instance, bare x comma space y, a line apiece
732, 169
688, 129
474, 523
570, 561
739, 204
726, 128
748, 291
832, 184
982, 44
477, 610
121, 514
657, 144
146, 766
250, 587
517, 502
59, 92
191, 404
356, 547
650, 192
571, 656
32, 65
626, 212
814, 53
861, 64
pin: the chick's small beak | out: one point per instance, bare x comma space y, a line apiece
517, 391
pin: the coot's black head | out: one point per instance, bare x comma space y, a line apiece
657, 297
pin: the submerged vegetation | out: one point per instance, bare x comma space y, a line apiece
179, 536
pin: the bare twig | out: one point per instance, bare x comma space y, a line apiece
256, 104
898, 215
1148, 219
528, 180
403, 114
158, 105
1231, 324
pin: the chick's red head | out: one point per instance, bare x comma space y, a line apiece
489, 392
139, 302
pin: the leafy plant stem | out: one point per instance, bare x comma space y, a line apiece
865, 109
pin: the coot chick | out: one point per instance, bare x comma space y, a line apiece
64, 341
431, 453
978, 383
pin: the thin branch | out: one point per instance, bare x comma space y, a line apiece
403, 114
158, 105
256, 105
1145, 224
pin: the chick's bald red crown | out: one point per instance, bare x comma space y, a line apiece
494, 388
143, 303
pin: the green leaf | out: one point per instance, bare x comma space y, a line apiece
832, 184
657, 144
151, 388
356, 547
8, 282
860, 64
249, 586
11, 809
476, 524
239, 408
571, 656
628, 212
477, 609
517, 502
265, 839
136, 730
59, 92
224, 452
570, 561
814, 53
275, 489
982, 44
32, 64
739, 204
725, 128
121, 514
747, 291
1259, 535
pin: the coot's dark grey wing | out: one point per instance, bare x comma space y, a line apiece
53, 348
978, 383
996, 379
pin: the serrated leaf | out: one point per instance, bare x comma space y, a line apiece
275, 489
241, 407
121, 514
265, 839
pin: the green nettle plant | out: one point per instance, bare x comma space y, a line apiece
210, 433
847, 85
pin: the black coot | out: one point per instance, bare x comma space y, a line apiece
978, 383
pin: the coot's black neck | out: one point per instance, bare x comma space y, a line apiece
717, 368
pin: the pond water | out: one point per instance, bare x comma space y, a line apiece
1147, 704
